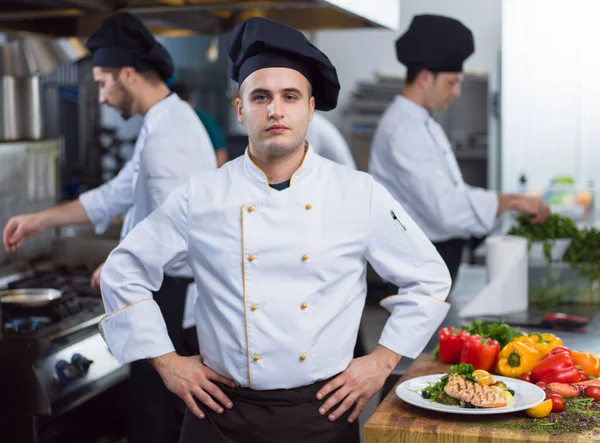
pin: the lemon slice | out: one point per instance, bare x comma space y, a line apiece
484, 378
541, 410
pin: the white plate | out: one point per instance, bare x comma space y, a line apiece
527, 395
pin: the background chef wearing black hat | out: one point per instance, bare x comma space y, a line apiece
412, 157
278, 240
130, 69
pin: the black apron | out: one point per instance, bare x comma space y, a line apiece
451, 252
156, 414
274, 416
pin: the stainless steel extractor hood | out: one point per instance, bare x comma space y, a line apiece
189, 17
24, 58
26, 54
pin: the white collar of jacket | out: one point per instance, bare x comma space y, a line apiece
159, 107
258, 176
413, 109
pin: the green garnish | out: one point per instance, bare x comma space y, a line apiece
501, 332
580, 415
555, 227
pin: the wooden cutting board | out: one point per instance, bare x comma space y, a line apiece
395, 421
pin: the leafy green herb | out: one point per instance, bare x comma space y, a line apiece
501, 332
584, 253
464, 369
555, 227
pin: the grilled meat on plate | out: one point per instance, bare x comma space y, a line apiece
468, 391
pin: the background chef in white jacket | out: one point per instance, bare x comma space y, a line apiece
278, 241
131, 68
412, 157
327, 141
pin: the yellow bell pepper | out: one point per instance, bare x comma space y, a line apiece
516, 358
543, 343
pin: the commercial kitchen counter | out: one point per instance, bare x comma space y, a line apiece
395, 421
472, 279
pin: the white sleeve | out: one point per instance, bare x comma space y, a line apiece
112, 198
134, 327
168, 164
401, 253
421, 175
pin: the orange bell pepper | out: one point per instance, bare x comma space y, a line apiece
590, 363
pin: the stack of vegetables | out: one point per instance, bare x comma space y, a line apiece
537, 358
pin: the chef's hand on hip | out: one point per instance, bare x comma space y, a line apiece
535, 207
95, 283
187, 378
364, 377
20, 228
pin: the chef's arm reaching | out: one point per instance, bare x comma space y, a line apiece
532, 206
96, 206
22, 227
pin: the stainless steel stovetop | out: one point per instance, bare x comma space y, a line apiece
54, 358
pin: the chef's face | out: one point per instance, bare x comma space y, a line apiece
275, 106
441, 89
113, 91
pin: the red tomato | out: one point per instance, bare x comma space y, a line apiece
593, 392
583, 376
558, 403
526, 377
542, 385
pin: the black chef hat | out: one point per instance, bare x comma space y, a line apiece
259, 43
436, 43
123, 40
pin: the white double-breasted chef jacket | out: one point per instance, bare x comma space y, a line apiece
413, 159
172, 145
280, 274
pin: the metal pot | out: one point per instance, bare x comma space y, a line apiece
20, 98
29, 298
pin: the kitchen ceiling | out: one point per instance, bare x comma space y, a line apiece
62, 18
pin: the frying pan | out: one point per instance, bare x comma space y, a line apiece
29, 298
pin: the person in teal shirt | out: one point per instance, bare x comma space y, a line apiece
210, 123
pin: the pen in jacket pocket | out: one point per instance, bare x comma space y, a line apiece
395, 217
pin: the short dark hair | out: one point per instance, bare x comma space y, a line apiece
411, 76
182, 90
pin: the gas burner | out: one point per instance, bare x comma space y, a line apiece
78, 304
26, 325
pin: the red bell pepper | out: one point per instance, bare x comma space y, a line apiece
451, 341
558, 350
482, 353
558, 368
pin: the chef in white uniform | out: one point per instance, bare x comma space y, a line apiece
278, 240
131, 68
327, 141
412, 157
